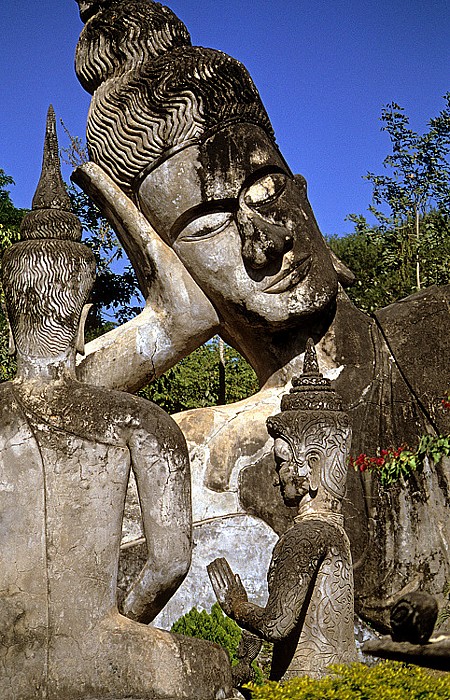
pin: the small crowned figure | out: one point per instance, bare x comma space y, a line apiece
309, 613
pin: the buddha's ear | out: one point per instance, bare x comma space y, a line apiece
344, 275
80, 336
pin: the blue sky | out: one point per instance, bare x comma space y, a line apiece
324, 71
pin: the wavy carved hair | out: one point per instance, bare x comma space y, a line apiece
46, 284
123, 36
153, 91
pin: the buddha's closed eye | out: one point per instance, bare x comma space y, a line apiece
206, 226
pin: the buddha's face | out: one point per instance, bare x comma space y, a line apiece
243, 227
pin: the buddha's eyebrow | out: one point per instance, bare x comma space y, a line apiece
229, 204
262, 172
214, 206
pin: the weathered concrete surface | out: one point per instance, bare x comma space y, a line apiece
247, 542
66, 453
218, 191
163, 333
309, 615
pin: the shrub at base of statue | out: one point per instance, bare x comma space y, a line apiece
242, 647
387, 679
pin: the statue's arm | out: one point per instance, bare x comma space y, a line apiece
160, 463
291, 575
178, 317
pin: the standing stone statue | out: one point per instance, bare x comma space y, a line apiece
309, 614
66, 452
223, 238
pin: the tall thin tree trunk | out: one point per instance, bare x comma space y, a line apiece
417, 215
222, 388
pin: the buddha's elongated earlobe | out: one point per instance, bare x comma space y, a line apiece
314, 481
344, 274
80, 335
11, 342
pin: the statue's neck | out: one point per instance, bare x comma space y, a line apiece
322, 508
46, 369
278, 356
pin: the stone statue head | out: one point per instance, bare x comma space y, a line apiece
183, 131
47, 276
312, 438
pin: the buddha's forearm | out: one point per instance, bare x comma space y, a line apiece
129, 357
154, 587
261, 621
178, 317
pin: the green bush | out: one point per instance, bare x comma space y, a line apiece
387, 680
214, 626
217, 627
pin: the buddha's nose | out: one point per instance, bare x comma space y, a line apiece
262, 241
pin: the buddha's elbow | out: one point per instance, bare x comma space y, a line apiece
177, 567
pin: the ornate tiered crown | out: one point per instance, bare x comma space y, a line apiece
48, 275
51, 216
311, 390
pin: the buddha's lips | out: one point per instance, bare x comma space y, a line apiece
290, 277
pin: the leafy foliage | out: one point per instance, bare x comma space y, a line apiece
10, 220
410, 246
373, 255
217, 627
419, 165
10, 216
387, 680
214, 626
194, 382
394, 465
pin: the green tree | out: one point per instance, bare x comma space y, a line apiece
10, 216
372, 255
417, 182
195, 381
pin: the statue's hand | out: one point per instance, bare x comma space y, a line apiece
228, 587
178, 316
155, 263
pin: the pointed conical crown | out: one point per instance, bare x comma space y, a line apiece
51, 215
311, 391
